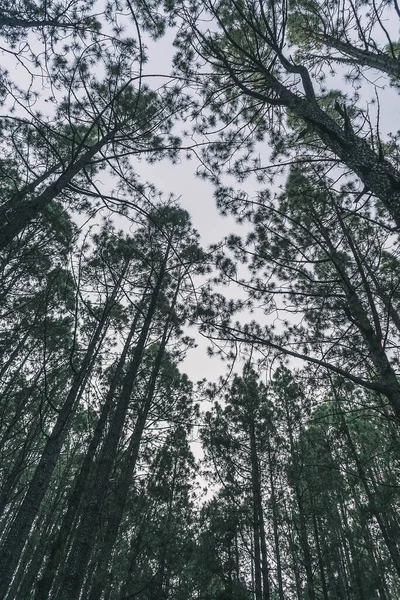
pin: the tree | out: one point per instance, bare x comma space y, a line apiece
266, 75
234, 440
105, 112
174, 243
331, 268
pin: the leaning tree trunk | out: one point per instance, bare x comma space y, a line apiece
59, 547
86, 533
19, 531
128, 469
44, 531
21, 212
386, 531
375, 171
13, 477
368, 327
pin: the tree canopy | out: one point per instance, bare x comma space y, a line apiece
120, 475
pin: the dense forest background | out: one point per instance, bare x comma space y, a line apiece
120, 476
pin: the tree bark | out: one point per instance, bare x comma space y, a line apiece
127, 471
19, 531
87, 530
59, 548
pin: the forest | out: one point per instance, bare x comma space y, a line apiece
127, 470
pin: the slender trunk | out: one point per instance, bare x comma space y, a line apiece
59, 547
295, 561
127, 471
18, 408
302, 518
319, 556
258, 512
30, 573
32, 555
12, 478
13, 355
352, 556
237, 561
387, 534
376, 562
257, 556
305, 546
163, 575
253, 578
275, 524
19, 531
370, 331
87, 530
136, 546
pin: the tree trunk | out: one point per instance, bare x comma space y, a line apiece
12, 478
22, 212
370, 331
275, 524
378, 174
256, 556
127, 471
19, 531
387, 534
302, 519
258, 511
319, 556
295, 559
59, 548
87, 530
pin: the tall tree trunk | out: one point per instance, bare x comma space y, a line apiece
59, 548
256, 556
369, 328
295, 559
21, 212
353, 556
319, 555
258, 511
19, 531
127, 471
386, 531
136, 547
302, 518
163, 575
13, 355
87, 530
275, 523
13, 478
44, 532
